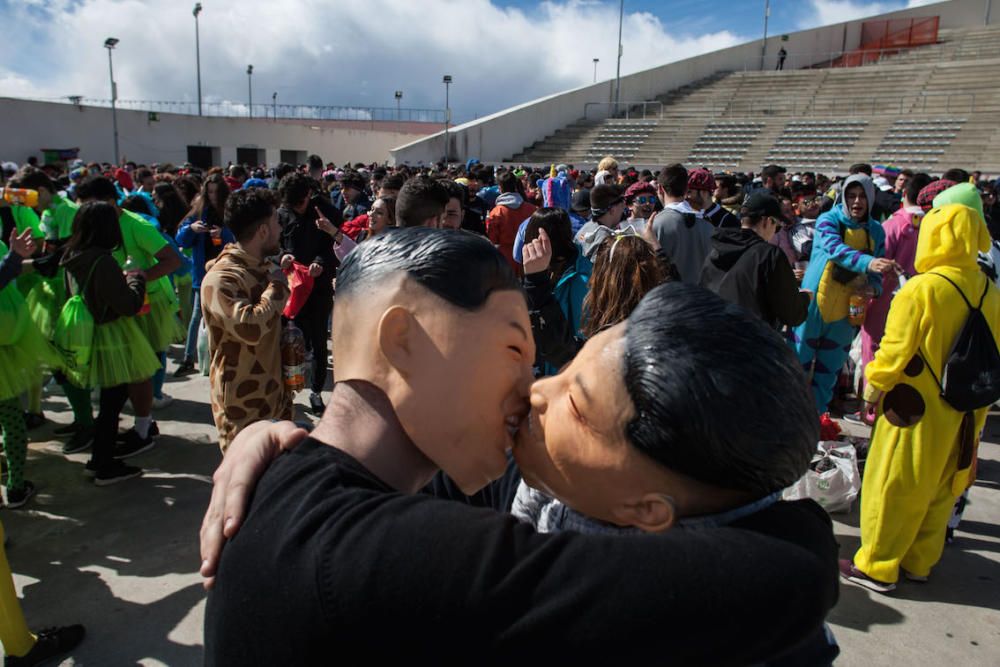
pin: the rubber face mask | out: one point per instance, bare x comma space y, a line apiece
465, 387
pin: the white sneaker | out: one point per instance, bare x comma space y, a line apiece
162, 402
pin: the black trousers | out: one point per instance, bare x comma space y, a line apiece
313, 320
106, 428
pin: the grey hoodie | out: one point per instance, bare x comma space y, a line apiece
510, 200
867, 184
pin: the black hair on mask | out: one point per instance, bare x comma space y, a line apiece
462, 268
719, 396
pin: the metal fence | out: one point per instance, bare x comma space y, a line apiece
273, 111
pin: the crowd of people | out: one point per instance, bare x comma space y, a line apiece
546, 346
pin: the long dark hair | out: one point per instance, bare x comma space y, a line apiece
171, 206
95, 225
198, 208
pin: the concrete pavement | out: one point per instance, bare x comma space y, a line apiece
123, 559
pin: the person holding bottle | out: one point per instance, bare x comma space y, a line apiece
205, 234
847, 258
242, 297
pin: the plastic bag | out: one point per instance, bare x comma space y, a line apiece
300, 283
833, 479
73, 334
203, 355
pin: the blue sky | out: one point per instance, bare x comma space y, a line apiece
358, 52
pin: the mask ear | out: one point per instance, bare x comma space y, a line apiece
652, 513
394, 331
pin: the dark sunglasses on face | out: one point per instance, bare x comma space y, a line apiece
645, 200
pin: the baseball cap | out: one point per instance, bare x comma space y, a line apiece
580, 203
761, 203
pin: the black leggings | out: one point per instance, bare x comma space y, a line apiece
106, 429
313, 320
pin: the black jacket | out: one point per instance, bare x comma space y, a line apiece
301, 238
747, 270
720, 217
107, 292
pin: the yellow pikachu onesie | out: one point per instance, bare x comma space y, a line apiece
912, 476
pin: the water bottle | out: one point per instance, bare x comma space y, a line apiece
21, 197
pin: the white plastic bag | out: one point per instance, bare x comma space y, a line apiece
833, 479
203, 354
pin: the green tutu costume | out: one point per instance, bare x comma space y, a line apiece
120, 355
161, 325
44, 302
25, 355
140, 243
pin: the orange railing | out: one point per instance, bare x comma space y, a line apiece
889, 36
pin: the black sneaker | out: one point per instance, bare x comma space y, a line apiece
50, 642
116, 472
316, 404
17, 497
80, 441
33, 420
66, 429
134, 445
124, 437
185, 368
90, 470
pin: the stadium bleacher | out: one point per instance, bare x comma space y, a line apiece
928, 107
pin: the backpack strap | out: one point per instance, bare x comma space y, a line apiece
966, 300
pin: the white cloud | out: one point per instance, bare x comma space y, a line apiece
334, 52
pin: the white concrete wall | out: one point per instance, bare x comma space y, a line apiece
501, 135
26, 127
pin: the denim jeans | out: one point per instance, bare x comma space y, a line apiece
191, 346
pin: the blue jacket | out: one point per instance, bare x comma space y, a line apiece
829, 246
188, 238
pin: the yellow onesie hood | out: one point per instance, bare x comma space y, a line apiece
951, 235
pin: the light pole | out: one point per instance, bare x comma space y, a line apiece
109, 44
618, 71
197, 50
596, 60
250, 89
447, 113
763, 46
399, 97
274, 106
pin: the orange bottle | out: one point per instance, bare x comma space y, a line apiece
21, 196
293, 357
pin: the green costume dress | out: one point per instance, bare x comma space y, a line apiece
141, 242
24, 353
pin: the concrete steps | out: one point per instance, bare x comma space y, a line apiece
947, 80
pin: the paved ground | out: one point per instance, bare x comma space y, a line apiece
123, 559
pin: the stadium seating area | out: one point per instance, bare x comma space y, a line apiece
931, 107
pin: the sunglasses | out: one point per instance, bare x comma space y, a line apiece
645, 200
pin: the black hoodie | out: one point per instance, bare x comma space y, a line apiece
747, 270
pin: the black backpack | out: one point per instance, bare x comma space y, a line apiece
971, 376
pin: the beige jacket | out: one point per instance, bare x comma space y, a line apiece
242, 310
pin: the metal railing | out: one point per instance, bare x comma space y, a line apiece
792, 107
947, 52
267, 111
629, 109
